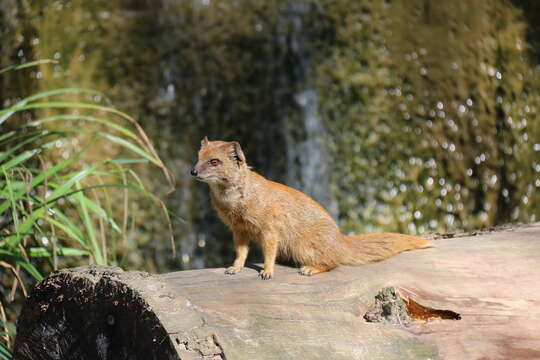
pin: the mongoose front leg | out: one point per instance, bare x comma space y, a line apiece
269, 245
241, 246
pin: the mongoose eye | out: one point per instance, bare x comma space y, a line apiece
214, 162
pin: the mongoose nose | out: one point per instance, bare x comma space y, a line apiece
194, 172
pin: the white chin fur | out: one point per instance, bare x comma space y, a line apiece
209, 179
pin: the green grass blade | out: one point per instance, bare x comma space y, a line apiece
27, 64
61, 190
10, 253
14, 184
15, 255
11, 201
161, 204
99, 211
5, 353
31, 269
123, 161
43, 252
61, 105
38, 179
67, 226
6, 135
130, 146
108, 123
143, 141
18, 159
5, 114
96, 250
74, 179
61, 251
55, 92
25, 141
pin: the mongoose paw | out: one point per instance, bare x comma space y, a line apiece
232, 270
265, 275
307, 270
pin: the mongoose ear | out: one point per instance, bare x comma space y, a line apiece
204, 142
237, 154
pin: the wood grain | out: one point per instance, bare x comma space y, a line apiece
491, 280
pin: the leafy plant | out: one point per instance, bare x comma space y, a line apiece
65, 211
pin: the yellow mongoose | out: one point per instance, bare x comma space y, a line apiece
286, 222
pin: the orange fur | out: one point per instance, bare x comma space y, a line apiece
286, 222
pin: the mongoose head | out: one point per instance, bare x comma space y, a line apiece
220, 162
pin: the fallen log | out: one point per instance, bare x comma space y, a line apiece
469, 298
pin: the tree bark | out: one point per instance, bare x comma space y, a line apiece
490, 282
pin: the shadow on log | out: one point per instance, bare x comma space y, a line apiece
489, 282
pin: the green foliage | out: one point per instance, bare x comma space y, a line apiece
433, 111
7, 333
52, 212
5, 352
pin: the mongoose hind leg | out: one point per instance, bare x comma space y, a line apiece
312, 270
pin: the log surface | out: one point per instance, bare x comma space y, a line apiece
491, 280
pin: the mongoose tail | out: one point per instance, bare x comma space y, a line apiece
375, 247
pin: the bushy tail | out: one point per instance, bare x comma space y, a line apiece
376, 247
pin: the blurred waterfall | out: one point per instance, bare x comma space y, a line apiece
307, 154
